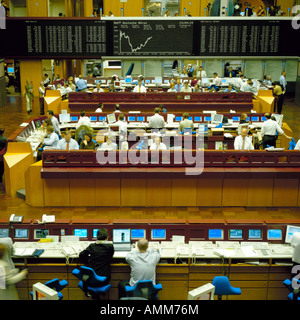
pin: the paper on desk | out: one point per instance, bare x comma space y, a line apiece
23, 251
228, 135
249, 251
226, 253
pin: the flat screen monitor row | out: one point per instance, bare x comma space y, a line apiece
134, 118
252, 234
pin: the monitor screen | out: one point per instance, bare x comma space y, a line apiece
274, 234
191, 118
197, 119
290, 230
158, 80
166, 81
93, 118
21, 233
215, 234
131, 118
4, 233
147, 81
235, 234
95, 231
81, 233
64, 117
224, 81
255, 119
236, 119
40, 233
254, 234
178, 118
141, 119
128, 80
10, 69
207, 119
74, 118
263, 119
121, 235
218, 118
138, 233
97, 81
102, 118
158, 234
111, 118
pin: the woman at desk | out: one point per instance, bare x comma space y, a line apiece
87, 143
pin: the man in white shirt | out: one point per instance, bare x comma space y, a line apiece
67, 143
248, 87
109, 145
157, 144
239, 82
98, 88
55, 123
143, 263
51, 140
156, 121
243, 142
140, 88
217, 81
283, 81
268, 132
100, 107
83, 121
122, 127
186, 87
201, 73
172, 87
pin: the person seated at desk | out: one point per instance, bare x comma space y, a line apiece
54, 121
230, 89
83, 120
67, 143
157, 144
81, 84
98, 255
185, 123
143, 263
230, 73
186, 87
156, 121
111, 87
243, 118
178, 85
139, 87
248, 87
46, 80
268, 132
243, 142
217, 82
98, 88
100, 107
71, 84
88, 143
267, 80
197, 88
109, 145
52, 138
65, 90
117, 108
239, 82
172, 87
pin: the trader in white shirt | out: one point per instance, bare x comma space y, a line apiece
83, 121
201, 73
217, 81
186, 87
243, 142
156, 121
100, 107
268, 132
109, 145
51, 140
122, 127
172, 87
283, 81
98, 88
157, 144
239, 82
67, 143
140, 88
55, 124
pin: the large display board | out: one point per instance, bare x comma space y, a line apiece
93, 38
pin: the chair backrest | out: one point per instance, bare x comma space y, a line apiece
93, 280
222, 285
145, 289
292, 144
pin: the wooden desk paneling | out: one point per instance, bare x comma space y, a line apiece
133, 190
57, 192
260, 192
184, 192
235, 192
285, 192
82, 192
209, 192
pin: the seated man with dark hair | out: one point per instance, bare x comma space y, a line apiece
143, 263
98, 255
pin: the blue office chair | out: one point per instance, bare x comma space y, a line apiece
56, 285
292, 144
294, 293
91, 284
223, 287
144, 289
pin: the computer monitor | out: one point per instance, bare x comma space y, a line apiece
4, 233
131, 118
290, 230
235, 234
254, 234
166, 81
147, 81
274, 234
263, 119
158, 234
178, 118
93, 118
102, 118
122, 239
140, 119
207, 119
10, 70
128, 80
224, 81
215, 234
74, 118
103, 81
21, 233
95, 232
41, 233
205, 292
236, 119
97, 81
158, 80
197, 119
191, 118
205, 81
43, 292
138, 233
64, 117
111, 118
218, 118
81, 233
